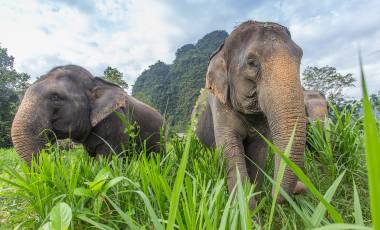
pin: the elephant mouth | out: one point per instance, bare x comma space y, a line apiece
252, 94
250, 104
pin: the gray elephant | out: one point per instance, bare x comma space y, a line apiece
315, 105
72, 103
253, 84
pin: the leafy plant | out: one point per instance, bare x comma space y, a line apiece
60, 217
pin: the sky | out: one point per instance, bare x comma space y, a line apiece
133, 34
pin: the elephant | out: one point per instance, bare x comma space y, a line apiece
69, 102
253, 86
315, 105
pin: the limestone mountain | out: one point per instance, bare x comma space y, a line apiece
174, 88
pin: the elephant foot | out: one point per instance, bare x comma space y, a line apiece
300, 188
252, 203
280, 199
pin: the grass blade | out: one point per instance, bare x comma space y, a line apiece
357, 207
94, 223
342, 226
320, 211
128, 220
372, 145
303, 215
226, 211
178, 184
301, 175
244, 213
151, 211
280, 175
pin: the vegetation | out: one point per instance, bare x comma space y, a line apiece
173, 89
12, 85
115, 76
186, 188
327, 80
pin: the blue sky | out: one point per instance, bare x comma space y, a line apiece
131, 35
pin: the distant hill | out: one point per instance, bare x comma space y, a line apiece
173, 89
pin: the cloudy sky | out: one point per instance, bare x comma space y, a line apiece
133, 34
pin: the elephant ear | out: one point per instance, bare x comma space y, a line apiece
105, 98
216, 76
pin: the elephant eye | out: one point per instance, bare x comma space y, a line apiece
56, 99
252, 62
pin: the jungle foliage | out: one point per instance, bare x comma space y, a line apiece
174, 88
12, 85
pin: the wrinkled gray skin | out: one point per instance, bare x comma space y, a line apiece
316, 105
253, 83
72, 103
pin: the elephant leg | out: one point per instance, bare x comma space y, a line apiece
256, 151
235, 160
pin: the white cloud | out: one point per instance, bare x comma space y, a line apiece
335, 37
131, 34
41, 36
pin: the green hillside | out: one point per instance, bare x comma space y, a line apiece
173, 89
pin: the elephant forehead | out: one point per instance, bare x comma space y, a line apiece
75, 75
50, 84
281, 65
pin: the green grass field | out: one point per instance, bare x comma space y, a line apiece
185, 188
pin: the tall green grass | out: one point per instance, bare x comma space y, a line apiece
337, 142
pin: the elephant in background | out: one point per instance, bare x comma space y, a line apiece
315, 105
73, 104
253, 84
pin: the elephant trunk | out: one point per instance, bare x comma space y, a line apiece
26, 130
282, 100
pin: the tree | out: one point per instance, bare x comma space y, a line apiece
327, 81
375, 100
12, 85
115, 76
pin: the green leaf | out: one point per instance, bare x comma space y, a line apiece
112, 183
280, 175
342, 226
81, 191
60, 217
244, 213
226, 211
94, 223
46, 226
357, 208
320, 211
178, 184
100, 179
128, 220
372, 146
151, 211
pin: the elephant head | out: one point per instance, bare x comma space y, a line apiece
315, 105
68, 101
257, 71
